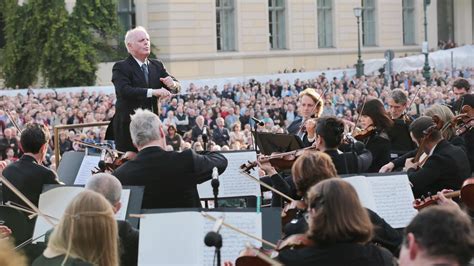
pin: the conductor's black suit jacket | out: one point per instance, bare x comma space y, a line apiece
170, 177
131, 91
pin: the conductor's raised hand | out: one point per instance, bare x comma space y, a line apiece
168, 81
161, 93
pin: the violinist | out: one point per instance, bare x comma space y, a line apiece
400, 140
443, 117
28, 174
310, 105
170, 178
375, 123
461, 87
340, 229
446, 166
308, 170
329, 136
468, 135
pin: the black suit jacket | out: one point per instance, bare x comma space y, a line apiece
295, 126
446, 168
379, 145
220, 136
350, 162
131, 90
170, 177
28, 177
400, 139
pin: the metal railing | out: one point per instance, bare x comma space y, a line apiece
62, 127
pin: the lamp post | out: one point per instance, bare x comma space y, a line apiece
360, 63
425, 50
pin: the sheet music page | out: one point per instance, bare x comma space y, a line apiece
124, 199
171, 239
393, 199
178, 238
233, 242
53, 203
363, 190
88, 163
232, 182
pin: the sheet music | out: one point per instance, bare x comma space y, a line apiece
364, 191
53, 203
88, 163
124, 199
232, 182
233, 242
393, 199
164, 239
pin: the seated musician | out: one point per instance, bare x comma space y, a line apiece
400, 140
170, 178
329, 136
468, 133
375, 122
310, 105
339, 228
446, 166
108, 186
309, 169
28, 174
443, 115
440, 235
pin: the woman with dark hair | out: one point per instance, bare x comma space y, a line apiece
374, 122
339, 228
173, 138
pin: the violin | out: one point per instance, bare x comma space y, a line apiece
365, 133
280, 161
292, 210
466, 194
117, 158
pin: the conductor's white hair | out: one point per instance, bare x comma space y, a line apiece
107, 185
131, 33
144, 127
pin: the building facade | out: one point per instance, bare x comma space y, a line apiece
215, 38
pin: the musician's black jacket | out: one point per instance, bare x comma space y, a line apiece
170, 177
446, 168
400, 139
379, 145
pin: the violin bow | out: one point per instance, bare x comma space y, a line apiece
408, 109
25, 199
267, 186
359, 115
91, 145
10, 117
212, 218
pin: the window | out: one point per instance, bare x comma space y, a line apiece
324, 23
368, 22
408, 21
126, 14
276, 23
225, 25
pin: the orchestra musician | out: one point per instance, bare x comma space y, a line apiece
170, 178
139, 81
444, 116
400, 140
468, 135
330, 135
375, 123
446, 166
309, 169
28, 174
340, 229
310, 105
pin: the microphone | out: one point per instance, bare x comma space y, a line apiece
213, 238
101, 163
258, 122
215, 174
204, 130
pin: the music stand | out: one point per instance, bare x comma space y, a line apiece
269, 143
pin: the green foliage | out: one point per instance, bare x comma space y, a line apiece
42, 36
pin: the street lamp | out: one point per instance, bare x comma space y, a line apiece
425, 50
360, 63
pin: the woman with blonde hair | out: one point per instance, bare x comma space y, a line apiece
86, 234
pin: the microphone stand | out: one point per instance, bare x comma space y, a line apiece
215, 190
204, 138
214, 239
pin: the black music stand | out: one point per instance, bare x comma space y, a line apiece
269, 143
